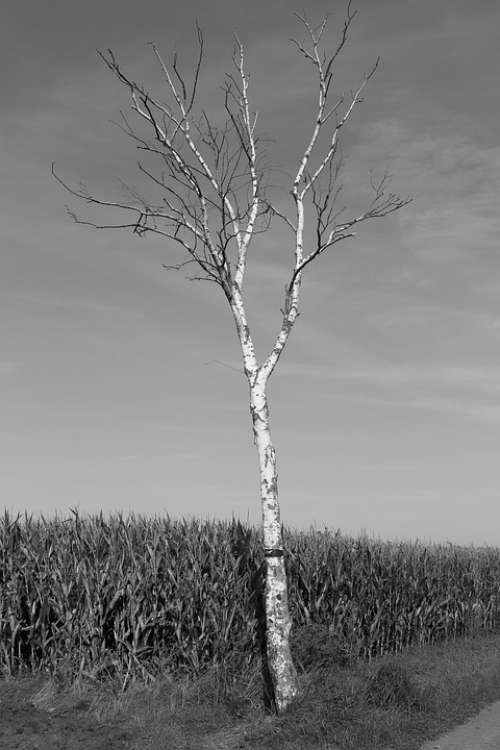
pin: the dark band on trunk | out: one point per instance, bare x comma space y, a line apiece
274, 552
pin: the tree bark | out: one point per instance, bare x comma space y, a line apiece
278, 620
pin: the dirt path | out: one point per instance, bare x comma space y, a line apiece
480, 733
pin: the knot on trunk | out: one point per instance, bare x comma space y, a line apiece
275, 552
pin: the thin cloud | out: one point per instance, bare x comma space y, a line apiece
480, 412
9, 366
417, 317
457, 376
455, 183
465, 390
75, 304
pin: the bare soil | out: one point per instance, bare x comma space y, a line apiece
28, 721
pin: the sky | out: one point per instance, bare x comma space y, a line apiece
121, 386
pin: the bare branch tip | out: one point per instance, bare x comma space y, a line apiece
199, 33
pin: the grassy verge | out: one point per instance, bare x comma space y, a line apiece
393, 702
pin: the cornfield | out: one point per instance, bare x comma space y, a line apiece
134, 597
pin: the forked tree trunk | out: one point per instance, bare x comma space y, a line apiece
278, 620
209, 211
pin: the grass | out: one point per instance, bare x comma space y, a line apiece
394, 702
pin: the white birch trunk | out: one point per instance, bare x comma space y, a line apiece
278, 620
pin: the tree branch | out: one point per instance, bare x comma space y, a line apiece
211, 178
306, 183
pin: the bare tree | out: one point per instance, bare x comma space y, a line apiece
214, 201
